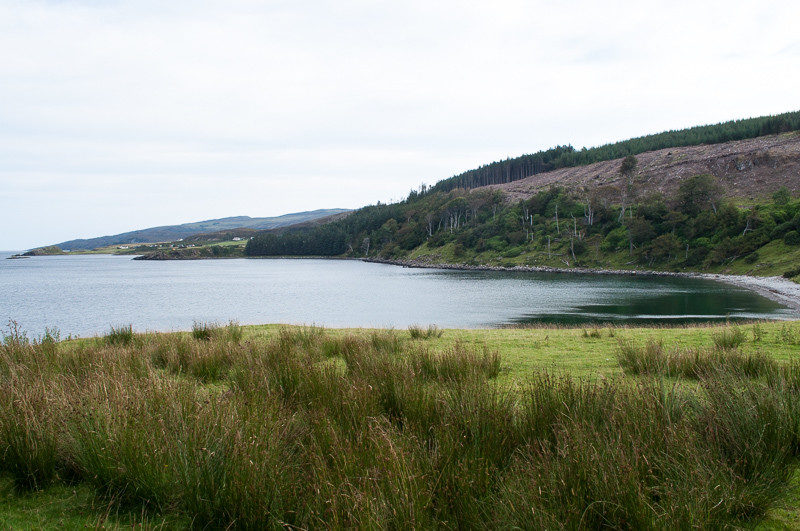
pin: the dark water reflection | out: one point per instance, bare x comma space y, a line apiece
664, 307
85, 294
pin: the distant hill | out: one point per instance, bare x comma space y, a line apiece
246, 232
176, 232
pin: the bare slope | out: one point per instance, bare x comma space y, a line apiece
746, 169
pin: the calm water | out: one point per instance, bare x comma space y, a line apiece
84, 295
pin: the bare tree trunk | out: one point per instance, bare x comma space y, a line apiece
558, 230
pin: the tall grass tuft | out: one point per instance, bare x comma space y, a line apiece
234, 331
204, 331
49, 341
456, 363
729, 338
385, 341
654, 359
305, 337
29, 432
650, 359
431, 332
121, 335
15, 337
595, 333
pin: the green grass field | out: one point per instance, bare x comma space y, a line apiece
79, 480
573, 350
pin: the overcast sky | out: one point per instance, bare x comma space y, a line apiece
122, 115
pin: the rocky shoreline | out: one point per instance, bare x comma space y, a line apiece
776, 288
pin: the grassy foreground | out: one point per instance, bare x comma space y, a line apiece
272, 426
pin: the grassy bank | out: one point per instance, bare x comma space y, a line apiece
774, 259
272, 426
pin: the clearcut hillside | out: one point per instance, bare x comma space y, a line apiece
749, 170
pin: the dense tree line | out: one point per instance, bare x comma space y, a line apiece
566, 156
506, 171
323, 240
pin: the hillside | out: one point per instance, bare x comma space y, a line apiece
176, 232
746, 169
729, 206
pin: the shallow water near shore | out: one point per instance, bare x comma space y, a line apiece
84, 295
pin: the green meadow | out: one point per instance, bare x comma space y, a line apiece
276, 426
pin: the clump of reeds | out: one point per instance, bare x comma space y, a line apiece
594, 333
203, 359
28, 433
653, 358
729, 338
456, 363
234, 331
14, 337
418, 332
341, 347
305, 337
120, 335
49, 341
385, 341
205, 331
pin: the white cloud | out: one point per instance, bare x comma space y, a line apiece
119, 115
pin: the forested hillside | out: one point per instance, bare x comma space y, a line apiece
695, 230
630, 225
